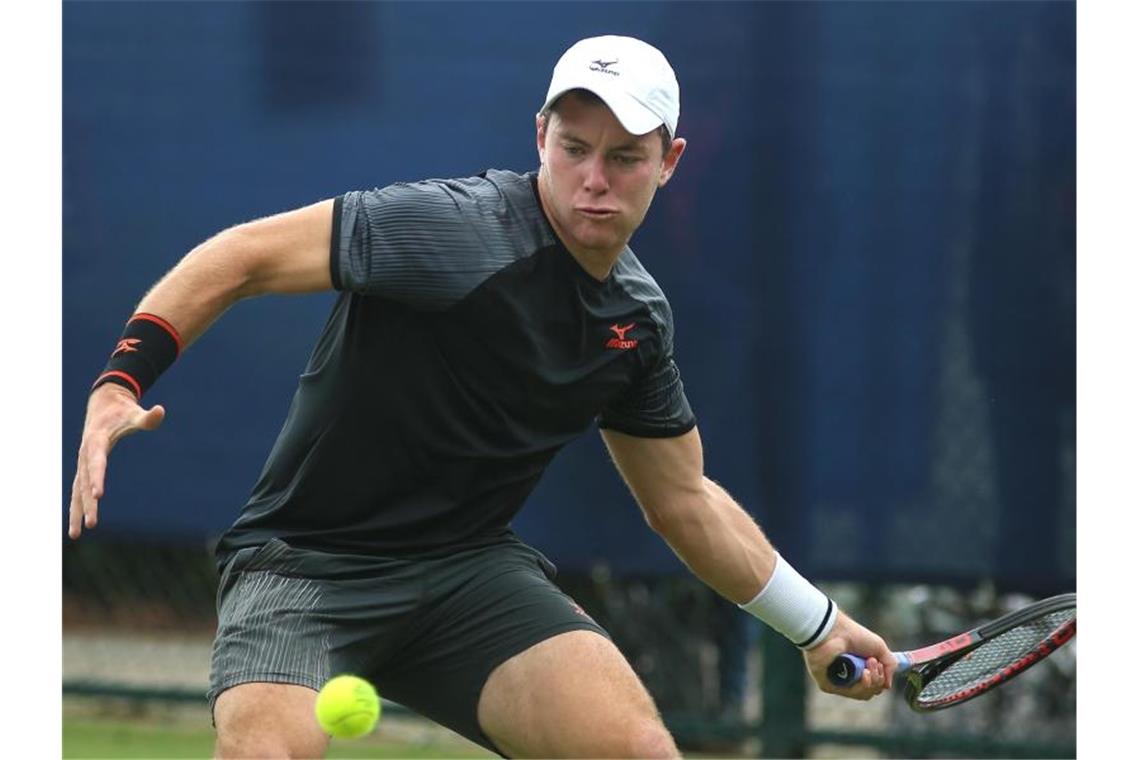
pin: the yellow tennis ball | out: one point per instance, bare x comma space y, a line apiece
347, 707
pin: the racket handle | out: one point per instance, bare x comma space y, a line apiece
847, 669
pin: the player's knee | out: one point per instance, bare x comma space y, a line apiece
650, 739
265, 744
267, 721
230, 745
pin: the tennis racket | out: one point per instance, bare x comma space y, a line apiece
962, 667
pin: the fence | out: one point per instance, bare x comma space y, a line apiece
138, 623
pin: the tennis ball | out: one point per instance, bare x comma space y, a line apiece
347, 707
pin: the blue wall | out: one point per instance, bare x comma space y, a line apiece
869, 249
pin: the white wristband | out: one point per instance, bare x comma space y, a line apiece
794, 607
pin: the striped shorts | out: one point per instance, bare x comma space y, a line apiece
427, 632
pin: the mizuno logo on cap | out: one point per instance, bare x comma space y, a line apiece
604, 66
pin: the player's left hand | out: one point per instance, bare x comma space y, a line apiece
112, 412
849, 636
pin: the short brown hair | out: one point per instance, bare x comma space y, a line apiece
591, 99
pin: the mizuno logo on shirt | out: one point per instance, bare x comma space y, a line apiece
620, 342
577, 608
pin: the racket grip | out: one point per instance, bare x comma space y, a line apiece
847, 669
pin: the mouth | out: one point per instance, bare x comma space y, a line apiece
593, 212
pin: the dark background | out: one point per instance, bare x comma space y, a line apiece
869, 248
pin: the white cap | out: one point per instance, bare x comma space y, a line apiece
631, 76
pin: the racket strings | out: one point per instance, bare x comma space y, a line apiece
994, 656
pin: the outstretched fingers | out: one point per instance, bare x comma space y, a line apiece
96, 468
111, 414
87, 488
75, 513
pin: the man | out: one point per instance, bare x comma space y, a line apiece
483, 324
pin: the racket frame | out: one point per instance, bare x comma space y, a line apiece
923, 665
927, 664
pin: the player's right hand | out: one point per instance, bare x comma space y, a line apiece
849, 636
112, 412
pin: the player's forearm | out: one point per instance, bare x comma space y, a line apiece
719, 542
205, 283
724, 547
284, 253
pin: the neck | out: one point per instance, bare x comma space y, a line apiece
597, 263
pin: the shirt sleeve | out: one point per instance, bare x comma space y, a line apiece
655, 406
425, 244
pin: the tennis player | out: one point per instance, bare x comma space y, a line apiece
483, 323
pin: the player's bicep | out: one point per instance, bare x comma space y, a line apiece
287, 252
662, 473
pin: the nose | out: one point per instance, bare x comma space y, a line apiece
595, 181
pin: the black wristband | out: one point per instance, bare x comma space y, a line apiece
148, 346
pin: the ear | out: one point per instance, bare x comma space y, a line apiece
669, 163
540, 137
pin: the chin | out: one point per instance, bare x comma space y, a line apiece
600, 243
603, 239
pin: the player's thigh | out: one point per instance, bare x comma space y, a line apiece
572, 695
268, 720
480, 608
288, 620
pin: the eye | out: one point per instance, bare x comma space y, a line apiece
626, 159
574, 150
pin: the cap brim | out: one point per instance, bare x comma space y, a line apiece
634, 117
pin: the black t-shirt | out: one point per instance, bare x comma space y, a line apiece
467, 347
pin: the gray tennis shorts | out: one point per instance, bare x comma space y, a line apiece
426, 632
